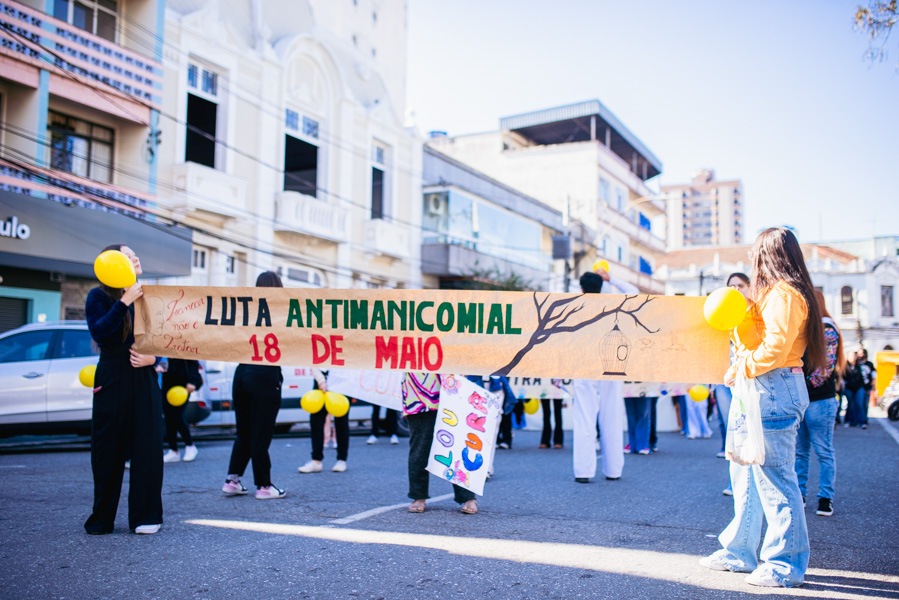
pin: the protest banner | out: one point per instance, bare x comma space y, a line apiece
465, 433
589, 336
383, 388
540, 388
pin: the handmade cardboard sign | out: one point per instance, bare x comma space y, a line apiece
534, 334
541, 388
465, 433
383, 388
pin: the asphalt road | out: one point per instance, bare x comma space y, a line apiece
538, 535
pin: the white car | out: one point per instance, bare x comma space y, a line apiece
39, 387
218, 378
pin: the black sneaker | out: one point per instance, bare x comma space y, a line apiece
804, 503
582, 479
825, 507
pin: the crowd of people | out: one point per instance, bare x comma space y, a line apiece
787, 349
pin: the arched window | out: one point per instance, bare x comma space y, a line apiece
846, 299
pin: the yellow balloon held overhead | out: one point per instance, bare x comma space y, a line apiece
699, 392
601, 264
114, 269
177, 395
86, 376
313, 401
725, 308
531, 406
336, 404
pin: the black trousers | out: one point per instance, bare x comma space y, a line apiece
421, 434
174, 415
392, 416
653, 436
504, 435
341, 428
126, 424
558, 437
257, 399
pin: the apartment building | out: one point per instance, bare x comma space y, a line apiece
704, 212
81, 89
286, 149
580, 160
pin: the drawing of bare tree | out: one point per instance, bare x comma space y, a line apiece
552, 319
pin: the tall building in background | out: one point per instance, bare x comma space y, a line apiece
81, 90
704, 212
580, 160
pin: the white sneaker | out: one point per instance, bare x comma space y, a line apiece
332, 444
270, 492
371, 440
313, 466
148, 529
394, 440
127, 464
170, 457
190, 453
339, 466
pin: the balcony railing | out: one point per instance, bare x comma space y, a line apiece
299, 213
74, 50
201, 188
387, 238
71, 189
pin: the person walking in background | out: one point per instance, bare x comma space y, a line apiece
637, 403
869, 382
783, 325
127, 413
698, 419
421, 398
317, 422
557, 437
854, 384
185, 373
816, 428
392, 417
256, 393
599, 401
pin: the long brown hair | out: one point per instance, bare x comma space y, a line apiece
776, 256
116, 294
840, 366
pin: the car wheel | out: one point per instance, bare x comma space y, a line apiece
893, 411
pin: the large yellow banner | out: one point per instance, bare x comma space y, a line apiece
534, 334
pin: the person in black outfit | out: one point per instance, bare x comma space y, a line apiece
317, 427
256, 393
185, 373
557, 436
127, 413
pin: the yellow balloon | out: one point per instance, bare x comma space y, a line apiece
114, 269
531, 406
177, 395
601, 264
699, 392
336, 404
725, 308
86, 376
312, 401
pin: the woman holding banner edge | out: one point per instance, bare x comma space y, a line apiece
784, 323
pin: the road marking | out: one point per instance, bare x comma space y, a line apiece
890, 429
382, 509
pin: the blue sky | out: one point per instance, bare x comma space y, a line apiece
776, 94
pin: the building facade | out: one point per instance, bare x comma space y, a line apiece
704, 212
81, 88
580, 160
286, 148
480, 233
859, 292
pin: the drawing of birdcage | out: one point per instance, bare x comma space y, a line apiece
614, 350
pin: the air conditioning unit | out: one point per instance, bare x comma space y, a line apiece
436, 205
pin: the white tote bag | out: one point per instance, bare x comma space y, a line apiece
745, 442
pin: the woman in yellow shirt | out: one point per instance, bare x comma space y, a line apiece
783, 324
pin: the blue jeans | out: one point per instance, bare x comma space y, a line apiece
682, 410
857, 409
816, 431
638, 422
771, 490
723, 396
